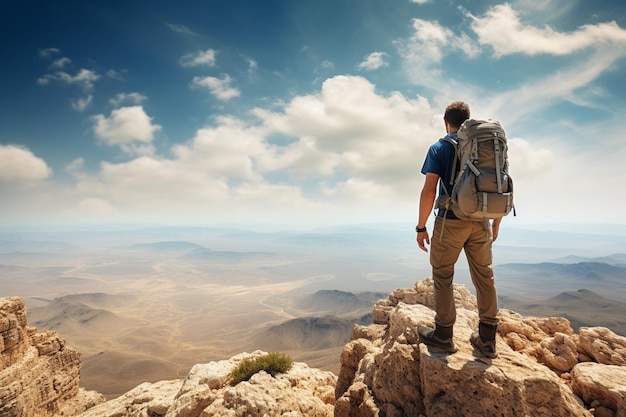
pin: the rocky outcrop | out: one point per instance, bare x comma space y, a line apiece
543, 368
206, 392
39, 373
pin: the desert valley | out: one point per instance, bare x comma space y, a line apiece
147, 303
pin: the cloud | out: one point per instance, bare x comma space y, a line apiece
374, 61
116, 75
253, 67
325, 66
81, 104
181, 29
502, 29
528, 161
350, 131
125, 126
18, 164
61, 62
219, 87
199, 58
420, 1
227, 151
428, 45
559, 86
132, 98
346, 145
84, 78
47, 53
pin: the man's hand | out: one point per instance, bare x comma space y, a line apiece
422, 240
427, 201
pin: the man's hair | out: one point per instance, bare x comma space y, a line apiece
456, 113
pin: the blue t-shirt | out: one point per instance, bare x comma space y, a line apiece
439, 160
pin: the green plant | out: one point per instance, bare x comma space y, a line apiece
272, 363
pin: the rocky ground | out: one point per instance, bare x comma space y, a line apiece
543, 368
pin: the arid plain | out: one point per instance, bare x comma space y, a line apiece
146, 304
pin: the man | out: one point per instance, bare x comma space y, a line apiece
450, 235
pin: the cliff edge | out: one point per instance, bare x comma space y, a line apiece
543, 369
39, 373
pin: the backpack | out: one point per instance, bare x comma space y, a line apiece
483, 188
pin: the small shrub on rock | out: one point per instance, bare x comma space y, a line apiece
272, 363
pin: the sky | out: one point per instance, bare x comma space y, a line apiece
301, 112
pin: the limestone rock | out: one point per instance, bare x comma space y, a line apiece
392, 374
40, 374
605, 384
144, 400
206, 391
603, 345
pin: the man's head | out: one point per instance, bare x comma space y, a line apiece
456, 113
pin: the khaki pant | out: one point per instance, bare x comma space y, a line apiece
475, 238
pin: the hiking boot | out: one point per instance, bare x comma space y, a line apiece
485, 340
439, 337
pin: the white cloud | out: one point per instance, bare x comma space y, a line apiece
81, 104
61, 63
348, 144
125, 126
116, 75
420, 1
76, 168
348, 130
132, 98
560, 86
48, 52
18, 164
528, 161
374, 61
253, 66
428, 45
325, 66
84, 78
227, 151
181, 29
502, 29
199, 58
219, 87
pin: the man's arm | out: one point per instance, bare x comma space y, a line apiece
427, 201
495, 228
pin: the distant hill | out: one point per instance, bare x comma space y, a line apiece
168, 246
193, 251
335, 302
310, 333
552, 278
583, 308
83, 313
333, 315
595, 271
614, 259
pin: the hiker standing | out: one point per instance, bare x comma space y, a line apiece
449, 236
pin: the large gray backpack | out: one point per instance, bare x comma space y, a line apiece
482, 189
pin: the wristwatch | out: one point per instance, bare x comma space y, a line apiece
420, 229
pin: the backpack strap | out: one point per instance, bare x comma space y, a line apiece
455, 145
498, 155
444, 200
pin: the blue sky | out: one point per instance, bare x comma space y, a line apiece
301, 112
